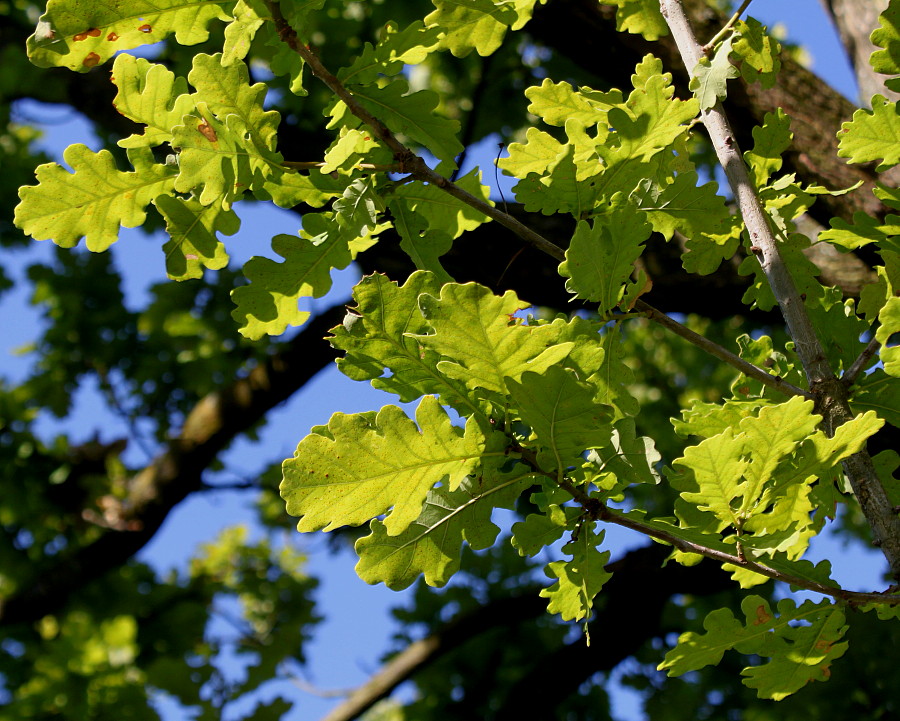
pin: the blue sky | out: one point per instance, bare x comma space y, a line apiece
357, 630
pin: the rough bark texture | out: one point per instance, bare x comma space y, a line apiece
854, 21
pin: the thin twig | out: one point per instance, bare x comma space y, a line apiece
865, 357
714, 349
409, 162
599, 511
726, 28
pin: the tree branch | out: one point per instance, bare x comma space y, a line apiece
861, 362
831, 394
174, 474
632, 601
416, 166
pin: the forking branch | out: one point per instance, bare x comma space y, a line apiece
831, 394
409, 162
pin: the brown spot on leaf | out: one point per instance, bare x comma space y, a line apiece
208, 132
762, 616
112, 37
145, 28
90, 60
92, 33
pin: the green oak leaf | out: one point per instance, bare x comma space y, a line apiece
879, 392
444, 212
94, 201
749, 474
717, 468
863, 230
370, 469
640, 17
483, 341
412, 115
423, 246
478, 25
228, 145
395, 50
348, 150
601, 256
212, 158
651, 118
535, 155
578, 581
358, 207
887, 37
625, 459
886, 465
539, 530
873, 296
193, 243
770, 140
683, 205
888, 334
284, 62
249, 16
80, 34
268, 305
150, 94
384, 340
562, 414
540, 151
711, 419
559, 190
291, 188
227, 91
872, 135
710, 77
759, 54
555, 103
431, 544
799, 643
767, 439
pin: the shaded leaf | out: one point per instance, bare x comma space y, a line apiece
601, 256
192, 228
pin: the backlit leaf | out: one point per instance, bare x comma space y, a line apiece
872, 135
579, 580
431, 544
601, 256
796, 653
372, 468
94, 201
381, 345
150, 94
483, 340
478, 25
87, 33
560, 409
268, 305
641, 17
